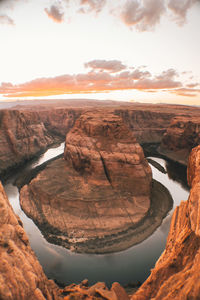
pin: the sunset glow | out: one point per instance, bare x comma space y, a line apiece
126, 50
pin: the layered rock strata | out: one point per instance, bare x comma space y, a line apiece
97, 199
21, 275
177, 272
181, 136
24, 134
29, 129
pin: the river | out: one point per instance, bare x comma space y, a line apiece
131, 265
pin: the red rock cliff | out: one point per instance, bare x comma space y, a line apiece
27, 130
102, 146
23, 134
21, 276
181, 136
177, 273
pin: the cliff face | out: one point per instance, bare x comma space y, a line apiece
21, 276
181, 136
148, 125
177, 273
28, 130
23, 134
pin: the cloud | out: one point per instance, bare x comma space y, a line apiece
144, 14
92, 5
55, 13
180, 9
105, 76
192, 85
187, 92
4, 19
109, 65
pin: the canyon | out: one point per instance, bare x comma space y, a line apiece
165, 130
27, 130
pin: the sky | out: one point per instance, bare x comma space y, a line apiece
128, 50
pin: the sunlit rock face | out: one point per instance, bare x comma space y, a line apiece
103, 149
177, 273
21, 275
97, 198
181, 136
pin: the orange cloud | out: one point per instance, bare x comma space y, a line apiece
55, 13
187, 92
104, 77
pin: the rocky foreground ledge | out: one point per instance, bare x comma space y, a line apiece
21, 275
100, 198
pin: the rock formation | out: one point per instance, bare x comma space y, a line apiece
24, 134
100, 190
177, 272
181, 136
103, 149
26, 130
97, 200
21, 275
98, 291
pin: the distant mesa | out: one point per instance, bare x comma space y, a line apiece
100, 198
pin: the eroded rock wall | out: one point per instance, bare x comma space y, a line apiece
24, 134
148, 125
28, 130
21, 275
181, 136
177, 272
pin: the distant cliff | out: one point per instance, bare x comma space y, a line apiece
24, 134
181, 136
27, 131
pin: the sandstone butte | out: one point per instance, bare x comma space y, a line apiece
176, 274
97, 199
